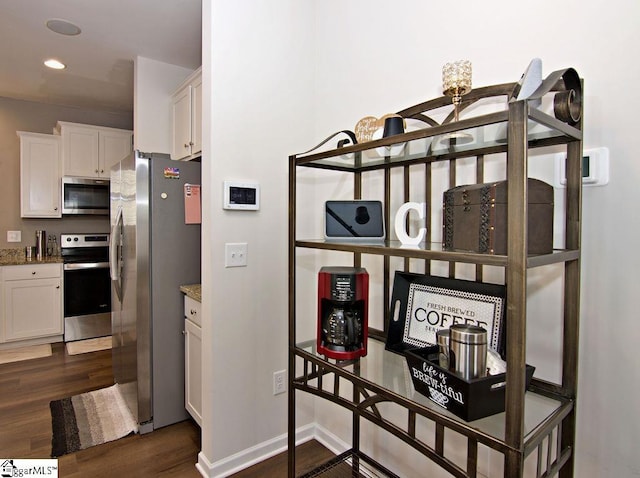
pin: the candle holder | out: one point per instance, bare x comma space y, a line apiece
456, 82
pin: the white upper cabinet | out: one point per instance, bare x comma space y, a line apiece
113, 146
196, 114
90, 151
40, 169
186, 116
181, 119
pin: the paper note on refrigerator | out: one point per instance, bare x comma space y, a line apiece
192, 204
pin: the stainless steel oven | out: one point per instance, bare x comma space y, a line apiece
87, 286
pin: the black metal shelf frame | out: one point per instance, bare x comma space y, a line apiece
552, 434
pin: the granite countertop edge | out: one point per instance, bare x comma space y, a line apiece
192, 290
15, 256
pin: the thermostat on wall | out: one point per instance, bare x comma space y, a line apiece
595, 168
241, 196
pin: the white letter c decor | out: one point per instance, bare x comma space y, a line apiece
400, 223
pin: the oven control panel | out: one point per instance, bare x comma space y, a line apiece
84, 240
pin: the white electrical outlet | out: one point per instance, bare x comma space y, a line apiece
14, 236
279, 382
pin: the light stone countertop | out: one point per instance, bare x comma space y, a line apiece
192, 290
16, 257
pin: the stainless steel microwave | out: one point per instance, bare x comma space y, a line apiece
85, 196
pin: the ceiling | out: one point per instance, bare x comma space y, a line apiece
99, 72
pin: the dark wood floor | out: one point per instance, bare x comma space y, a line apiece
27, 387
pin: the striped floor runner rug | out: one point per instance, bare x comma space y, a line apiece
89, 419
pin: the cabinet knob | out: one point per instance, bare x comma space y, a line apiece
55, 208
101, 171
57, 287
33, 273
186, 145
96, 171
184, 332
193, 312
190, 143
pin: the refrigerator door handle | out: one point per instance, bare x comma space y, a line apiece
115, 254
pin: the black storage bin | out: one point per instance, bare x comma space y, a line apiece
468, 399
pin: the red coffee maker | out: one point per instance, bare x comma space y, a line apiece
343, 295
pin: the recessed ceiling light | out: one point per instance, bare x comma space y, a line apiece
63, 27
55, 64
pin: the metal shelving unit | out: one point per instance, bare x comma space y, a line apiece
540, 419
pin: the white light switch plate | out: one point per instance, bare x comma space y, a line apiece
235, 254
14, 236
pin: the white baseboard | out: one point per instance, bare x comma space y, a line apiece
29, 342
328, 439
262, 451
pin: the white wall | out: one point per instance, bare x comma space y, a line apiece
258, 82
154, 83
281, 75
376, 57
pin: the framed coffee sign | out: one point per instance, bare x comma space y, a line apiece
423, 304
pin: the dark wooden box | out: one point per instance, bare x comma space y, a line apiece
468, 399
475, 218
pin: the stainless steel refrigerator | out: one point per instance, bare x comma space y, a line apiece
153, 252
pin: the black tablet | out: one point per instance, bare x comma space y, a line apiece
355, 220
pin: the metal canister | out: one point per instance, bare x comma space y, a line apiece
41, 245
468, 351
442, 337
29, 252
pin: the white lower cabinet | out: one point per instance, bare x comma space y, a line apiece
32, 301
193, 359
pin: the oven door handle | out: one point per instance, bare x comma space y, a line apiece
85, 265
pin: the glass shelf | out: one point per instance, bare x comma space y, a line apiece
390, 371
479, 135
433, 251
